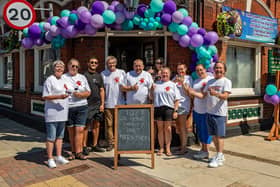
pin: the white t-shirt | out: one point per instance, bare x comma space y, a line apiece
198, 86
144, 81
215, 105
112, 82
185, 101
57, 109
77, 83
165, 94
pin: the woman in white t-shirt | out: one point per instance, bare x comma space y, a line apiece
199, 112
78, 89
166, 98
56, 113
182, 82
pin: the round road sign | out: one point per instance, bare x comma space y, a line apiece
19, 14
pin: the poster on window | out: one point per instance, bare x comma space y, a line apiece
249, 26
273, 60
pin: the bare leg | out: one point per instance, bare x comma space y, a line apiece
58, 146
95, 132
49, 146
71, 137
85, 136
220, 144
167, 136
160, 136
182, 125
78, 139
216, 143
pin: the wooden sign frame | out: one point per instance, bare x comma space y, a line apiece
151, 150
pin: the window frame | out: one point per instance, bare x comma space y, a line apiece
4, 85
240, 92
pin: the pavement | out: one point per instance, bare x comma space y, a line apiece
250, 161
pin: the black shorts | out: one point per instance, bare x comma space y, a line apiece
94, 114
164, 113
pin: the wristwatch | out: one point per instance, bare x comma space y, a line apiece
176, 111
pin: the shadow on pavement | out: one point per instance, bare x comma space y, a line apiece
36, 155
22, 138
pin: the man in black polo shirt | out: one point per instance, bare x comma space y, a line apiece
95, 105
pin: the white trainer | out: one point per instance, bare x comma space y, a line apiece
51, 163
216, 161
61, 160
201, 155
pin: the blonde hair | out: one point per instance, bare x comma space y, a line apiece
58, 62
138, 60
111, 58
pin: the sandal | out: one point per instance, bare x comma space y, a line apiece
160, 152
168, 154
80, 156
181, 152
71, 156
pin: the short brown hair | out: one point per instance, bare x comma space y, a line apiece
220, 62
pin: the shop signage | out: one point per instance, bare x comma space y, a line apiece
19, 14
254, 27
273, 60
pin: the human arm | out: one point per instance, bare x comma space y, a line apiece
102, 99
175, 112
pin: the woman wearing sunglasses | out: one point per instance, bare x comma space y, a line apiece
78, 89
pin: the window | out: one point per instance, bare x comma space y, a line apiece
43, 65
6, 72
243, 69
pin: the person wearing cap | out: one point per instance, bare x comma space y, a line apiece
56, 113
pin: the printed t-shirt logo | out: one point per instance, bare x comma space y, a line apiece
117, 79
142, 80
78, 83
167, 88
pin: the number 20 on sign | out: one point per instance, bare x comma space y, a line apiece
19, 14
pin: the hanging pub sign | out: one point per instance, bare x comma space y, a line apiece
249, 26
273, 60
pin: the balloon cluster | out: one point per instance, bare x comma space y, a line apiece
272, 95
116, 16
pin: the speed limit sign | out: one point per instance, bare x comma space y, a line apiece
19, 14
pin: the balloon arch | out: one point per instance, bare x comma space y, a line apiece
115, 16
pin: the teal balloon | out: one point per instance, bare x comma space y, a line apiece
54, 19
146, 20
127, 25
25, 32
194, 75
156, 24
212, 49
156, 5
73, 18
173, 27
271, 89
152, 20
143, 25
278, 93
203, 53
41, 25
207, 66
184, 12
195, 25
149, 13
150, 26
136, 20
157, 19
182, 29
65, 13
109, 16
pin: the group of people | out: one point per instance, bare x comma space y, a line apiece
81, 101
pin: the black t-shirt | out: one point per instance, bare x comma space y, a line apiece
95, 82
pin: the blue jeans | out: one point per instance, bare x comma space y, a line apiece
55, 130
77, 116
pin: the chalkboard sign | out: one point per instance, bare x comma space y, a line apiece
134, 130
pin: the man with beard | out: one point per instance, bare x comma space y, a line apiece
96, 106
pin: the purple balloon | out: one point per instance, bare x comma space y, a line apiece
49, 19
27, 43
90, 30
65, 34
211, 68
54, 30
141, 10
169, 7
211, 37
194, 57
62, 22
129, 15
166, 19
215, 58
81, 9
97, 21
39, 42
184, 41
34, 31
119, 8
187, 21
74, 12
175, 36
274, 99
120, 18
97, 7
115, 3
111, 7
192, 66
85, 16
72, 31
201, 31
48, 36
177, 17
196, 40
192, 31
47, 26
267, 98
80, 25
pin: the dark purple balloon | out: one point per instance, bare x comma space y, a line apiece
169, 7
192, 66
141, 10
166, 19
215, 58
129, 15
97, 7
27, 43
72, 31
194, 57
34, 31
90, 30
62, 22
187, 21
192, 31
119, 8
74, 11
49, 19
201, 31
206, 41
39, 42
80, 25
175, 36
48, 36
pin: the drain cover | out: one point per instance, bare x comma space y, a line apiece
76, 169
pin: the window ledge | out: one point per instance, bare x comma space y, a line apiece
6, 89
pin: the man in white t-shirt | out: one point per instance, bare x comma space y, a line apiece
113, 79
137, 84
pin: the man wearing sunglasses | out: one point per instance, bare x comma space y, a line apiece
95, 104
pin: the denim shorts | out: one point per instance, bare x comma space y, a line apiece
216, 125
182, 111
55, 130
77, 116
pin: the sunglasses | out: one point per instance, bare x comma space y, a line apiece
75, 66
93, 62
158, 63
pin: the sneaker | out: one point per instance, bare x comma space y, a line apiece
61, 160
201, 155
97, 149
51, 163
217, 161
86, 150
110, 148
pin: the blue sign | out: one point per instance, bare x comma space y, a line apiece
249, 26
